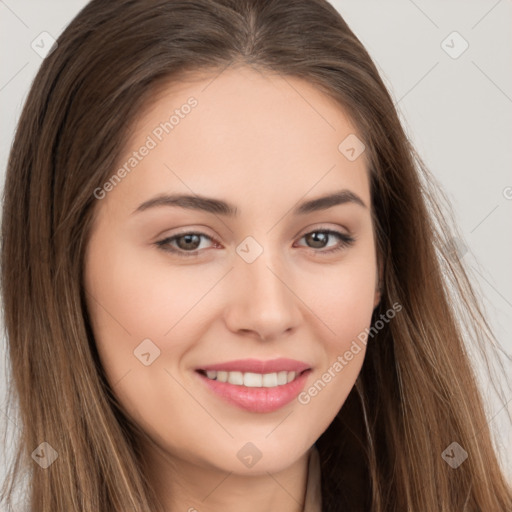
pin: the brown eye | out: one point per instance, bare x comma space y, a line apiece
319, 239
186, 244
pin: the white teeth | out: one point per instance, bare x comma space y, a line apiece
253, 380
282, 377
236, 378
222, 376
269, 380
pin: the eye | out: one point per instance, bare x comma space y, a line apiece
188, 243
320, 237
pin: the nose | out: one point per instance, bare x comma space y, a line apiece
261, 298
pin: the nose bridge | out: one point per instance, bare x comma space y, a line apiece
262, 300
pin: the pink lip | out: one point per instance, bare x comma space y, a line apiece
259, 366
259, 400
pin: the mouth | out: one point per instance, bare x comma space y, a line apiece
252, 380
256, 386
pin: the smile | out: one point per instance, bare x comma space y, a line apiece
256, 386
253, 380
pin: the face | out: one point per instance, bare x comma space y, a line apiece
270, 296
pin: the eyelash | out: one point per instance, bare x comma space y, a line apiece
345, 241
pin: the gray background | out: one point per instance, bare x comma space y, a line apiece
457, 111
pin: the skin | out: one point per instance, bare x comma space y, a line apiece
264, 143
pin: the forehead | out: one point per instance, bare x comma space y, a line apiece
241, 134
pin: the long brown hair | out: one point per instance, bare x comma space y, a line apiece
417, 391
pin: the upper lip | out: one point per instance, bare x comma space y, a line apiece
259, 366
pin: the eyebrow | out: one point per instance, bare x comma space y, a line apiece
220, 207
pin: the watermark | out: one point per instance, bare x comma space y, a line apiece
249, 454
352, 147
454, 45
146, 352
507, 192
249, 249
454, 455
343, 360
152, 140
44, 44
45, 455
455, 249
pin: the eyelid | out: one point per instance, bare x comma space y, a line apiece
323, 227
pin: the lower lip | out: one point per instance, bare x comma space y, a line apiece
258, 399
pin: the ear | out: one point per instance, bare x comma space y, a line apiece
378, 283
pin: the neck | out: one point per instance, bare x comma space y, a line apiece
182, 485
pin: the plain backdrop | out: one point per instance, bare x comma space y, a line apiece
448, 65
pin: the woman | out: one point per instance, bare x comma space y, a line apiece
224, 284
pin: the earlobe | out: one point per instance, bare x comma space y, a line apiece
377, 297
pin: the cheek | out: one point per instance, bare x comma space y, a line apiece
132, 309
346, 309
342, 297
343, 300
350, 307
127, 308
131, 298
